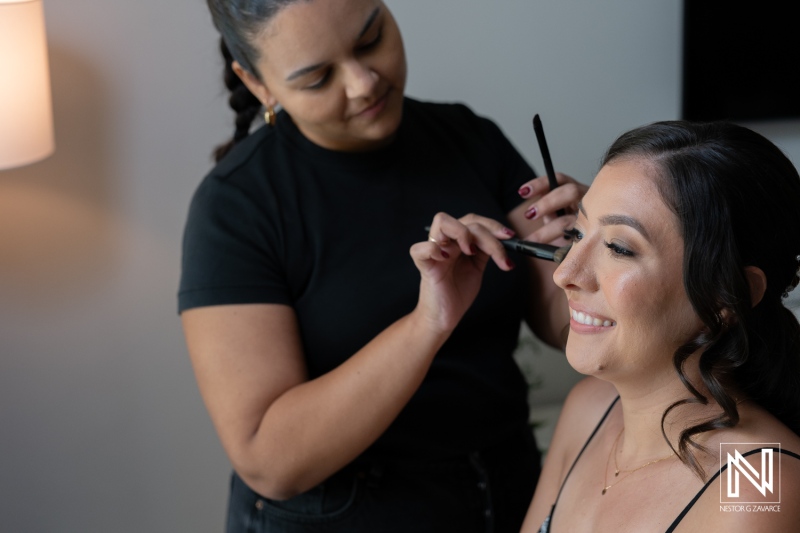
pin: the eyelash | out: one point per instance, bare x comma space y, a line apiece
617, 250
321, 83
573, 235
373, 43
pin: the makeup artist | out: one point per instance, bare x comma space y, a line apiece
342, 394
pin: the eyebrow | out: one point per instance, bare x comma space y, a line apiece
311, 68
617, 220
369, 22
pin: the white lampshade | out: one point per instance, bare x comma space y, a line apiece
26, 110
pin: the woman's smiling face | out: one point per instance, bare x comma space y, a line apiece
623, 277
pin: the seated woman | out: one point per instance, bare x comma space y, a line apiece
684, 248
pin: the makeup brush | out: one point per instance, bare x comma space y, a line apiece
548, 163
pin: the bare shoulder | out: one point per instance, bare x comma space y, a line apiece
758, 427
761, 429
777, 513
587, 402
757, 510
583, 408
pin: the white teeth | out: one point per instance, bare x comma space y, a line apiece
583, 318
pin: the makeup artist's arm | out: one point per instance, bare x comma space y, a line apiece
535, 220
285, 433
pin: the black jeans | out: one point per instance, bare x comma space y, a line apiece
485, 491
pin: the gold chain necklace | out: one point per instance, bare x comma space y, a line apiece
616, 467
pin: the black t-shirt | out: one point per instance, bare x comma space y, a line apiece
282, 220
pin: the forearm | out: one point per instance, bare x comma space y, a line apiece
315, 428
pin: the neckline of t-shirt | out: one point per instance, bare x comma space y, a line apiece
292, 135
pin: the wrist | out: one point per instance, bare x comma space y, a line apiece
428, 327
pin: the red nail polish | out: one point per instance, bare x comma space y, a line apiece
524, 191
510, 263
472, 249
530, 213
509, 232
445, 255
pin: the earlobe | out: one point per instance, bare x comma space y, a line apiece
253, 84
757, 281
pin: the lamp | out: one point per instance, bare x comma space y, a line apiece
26, 110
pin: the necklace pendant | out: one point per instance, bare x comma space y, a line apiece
616, 473
604, 491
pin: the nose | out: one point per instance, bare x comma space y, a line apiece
360, 80
575, 270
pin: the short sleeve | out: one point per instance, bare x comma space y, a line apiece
231, 249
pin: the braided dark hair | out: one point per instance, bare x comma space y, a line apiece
736, 196
239, 22
241, 100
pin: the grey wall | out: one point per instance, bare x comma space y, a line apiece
101, 424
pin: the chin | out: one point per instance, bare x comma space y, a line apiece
392, 115
584, 359
384, 130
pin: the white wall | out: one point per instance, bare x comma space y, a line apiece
101, 425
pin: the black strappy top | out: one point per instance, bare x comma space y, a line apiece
548, 522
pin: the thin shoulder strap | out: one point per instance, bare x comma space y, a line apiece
597, 427
711, 480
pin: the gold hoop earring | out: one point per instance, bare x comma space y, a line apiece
269, 115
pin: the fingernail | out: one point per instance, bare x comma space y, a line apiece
531, 213
509, 232
510, 263
524, 191
472, 249
445, 255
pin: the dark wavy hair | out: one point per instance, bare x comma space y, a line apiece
737, 197
239, 22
